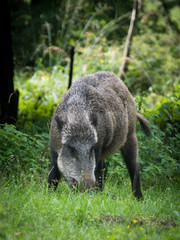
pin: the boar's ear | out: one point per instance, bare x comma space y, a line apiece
93, 119
59, 121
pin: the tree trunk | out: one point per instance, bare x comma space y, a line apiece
8, 97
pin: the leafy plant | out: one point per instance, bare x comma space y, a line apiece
22, 154
157, 158
40, 93
165, 121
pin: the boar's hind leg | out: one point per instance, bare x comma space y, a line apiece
54, 174
130, 154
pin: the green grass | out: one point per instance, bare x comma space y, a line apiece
30, 211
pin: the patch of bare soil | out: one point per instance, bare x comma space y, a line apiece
115, 219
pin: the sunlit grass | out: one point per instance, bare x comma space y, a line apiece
30, 211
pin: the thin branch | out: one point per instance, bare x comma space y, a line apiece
127, 48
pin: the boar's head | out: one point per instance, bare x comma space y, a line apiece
76, 159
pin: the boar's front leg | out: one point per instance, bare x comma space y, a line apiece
54, 174
130, 154
101, 172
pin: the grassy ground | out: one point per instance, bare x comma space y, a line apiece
30, 211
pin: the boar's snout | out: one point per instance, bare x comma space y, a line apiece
86, 183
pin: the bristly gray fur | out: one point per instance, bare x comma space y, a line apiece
95, 118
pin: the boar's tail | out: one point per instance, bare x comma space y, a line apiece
144, 124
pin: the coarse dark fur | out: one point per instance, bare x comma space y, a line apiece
94, 119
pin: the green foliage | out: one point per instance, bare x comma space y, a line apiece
117, 170
168, 114
155, 59
175, 16
40, 93
46, 30
22, 154
158, 157
49, 28
165, 121
155, 63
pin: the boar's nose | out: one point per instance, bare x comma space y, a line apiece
87, 182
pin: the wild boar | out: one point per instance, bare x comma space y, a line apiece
94, 119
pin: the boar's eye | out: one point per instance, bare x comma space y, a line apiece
92, 149
72, 150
